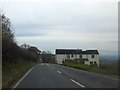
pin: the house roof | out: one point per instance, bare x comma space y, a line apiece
75, 51
68, 51
92, 52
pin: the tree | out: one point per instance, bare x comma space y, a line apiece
47, 57
35, 51
7, 35
25, 46
10, 50
9, 47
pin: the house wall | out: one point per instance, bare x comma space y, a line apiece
74, 56
87, 62
60, 58
84, 56
95, 59
77, 56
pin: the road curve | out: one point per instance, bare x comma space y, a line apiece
57, 76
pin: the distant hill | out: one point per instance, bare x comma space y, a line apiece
108, 59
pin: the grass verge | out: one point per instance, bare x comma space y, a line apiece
108, 69
12, 72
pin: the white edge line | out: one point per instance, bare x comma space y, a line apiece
91, 73
23, 77
58, 71
111, 77
77, 83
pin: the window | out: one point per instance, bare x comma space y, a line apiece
71, 55
91, 62
93, 56
80, 56
94, 62
68, 56
63, 61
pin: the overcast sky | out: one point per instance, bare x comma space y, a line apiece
51, 24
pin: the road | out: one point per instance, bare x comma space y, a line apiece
57, 76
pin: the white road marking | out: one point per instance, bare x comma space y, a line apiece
98, 74
77, 83
22, 78
58, 71
42, 64
111, 77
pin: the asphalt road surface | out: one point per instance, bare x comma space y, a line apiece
57, 76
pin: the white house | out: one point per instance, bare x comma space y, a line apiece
86, 57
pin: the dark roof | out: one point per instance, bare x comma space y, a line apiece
68, 51
92, 52
75, 51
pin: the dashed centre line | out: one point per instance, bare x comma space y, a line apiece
74, 81
59, 72
42, 64
77, 83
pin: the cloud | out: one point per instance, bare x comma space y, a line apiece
51, 43
65, 24
37, 1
